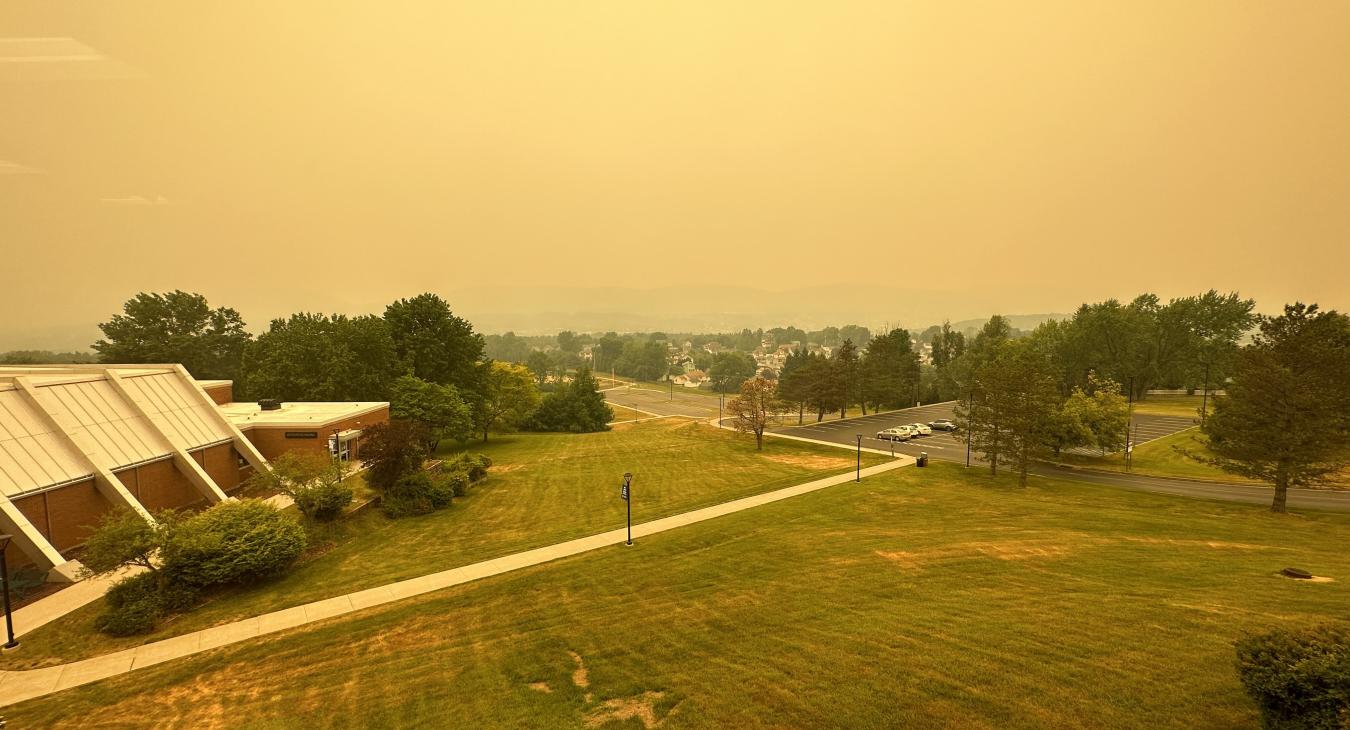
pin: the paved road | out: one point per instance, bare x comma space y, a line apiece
648, 399
946, 447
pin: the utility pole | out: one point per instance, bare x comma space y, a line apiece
1129, 426
969, 404
1204, 399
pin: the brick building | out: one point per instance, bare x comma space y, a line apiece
78, 441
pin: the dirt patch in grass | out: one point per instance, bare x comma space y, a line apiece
810, 461
642, 707
1216, 544
504, 468
1007, 550
580, 676
541, 687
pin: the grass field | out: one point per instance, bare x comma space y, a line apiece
543, 488
931, 598
1160, 458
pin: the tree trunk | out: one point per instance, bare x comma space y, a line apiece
759, 440
1281, 494
485, 431
820, 415
801, 412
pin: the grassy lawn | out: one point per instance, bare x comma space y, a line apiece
542, 489
1187, 406
1160, 458
931, 598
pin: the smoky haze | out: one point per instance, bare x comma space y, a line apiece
618, 165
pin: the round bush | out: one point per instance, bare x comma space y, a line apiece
1299, 679
232, 542
325, 501
131, 606
418, 494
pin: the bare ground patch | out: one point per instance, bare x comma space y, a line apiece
810, 462
1216, 544
642, 707
1004, 550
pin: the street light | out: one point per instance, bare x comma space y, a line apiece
628, 500
858, 478
4, 576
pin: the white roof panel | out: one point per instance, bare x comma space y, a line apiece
177, 408
101, 424
31, 455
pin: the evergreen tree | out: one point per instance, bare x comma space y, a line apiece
1285, 415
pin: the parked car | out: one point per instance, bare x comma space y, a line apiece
899, 433
921, 429
942, 424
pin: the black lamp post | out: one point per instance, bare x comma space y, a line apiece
628, 500
858, 476
4, 576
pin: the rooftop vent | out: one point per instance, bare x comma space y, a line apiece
269, 404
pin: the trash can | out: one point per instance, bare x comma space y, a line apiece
923, 459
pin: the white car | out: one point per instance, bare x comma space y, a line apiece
899, 433
921, 429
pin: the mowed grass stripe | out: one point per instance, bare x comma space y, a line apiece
543, 489
1059, 605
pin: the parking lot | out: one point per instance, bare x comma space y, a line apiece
946, 445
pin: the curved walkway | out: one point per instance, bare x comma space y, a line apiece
17, 686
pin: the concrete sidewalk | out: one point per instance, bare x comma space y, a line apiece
17, 686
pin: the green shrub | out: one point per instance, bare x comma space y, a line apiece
323, 501
1299, 679
392, 451
418, 494
459, 483
131, 606
233, 542
475, 466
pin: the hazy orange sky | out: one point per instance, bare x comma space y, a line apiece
956, 158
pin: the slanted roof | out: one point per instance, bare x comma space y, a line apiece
74, 417
32, 455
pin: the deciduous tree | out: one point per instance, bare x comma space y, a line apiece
509, 396
753, 407
438, 408
175, 327
433, 343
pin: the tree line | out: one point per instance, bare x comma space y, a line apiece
1283, 416
427, 362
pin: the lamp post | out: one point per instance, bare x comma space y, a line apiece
4, 576
628, 501
721, 399
858, 476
